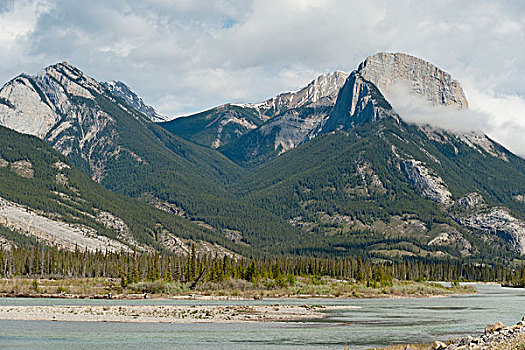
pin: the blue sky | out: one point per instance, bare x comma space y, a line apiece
184, 56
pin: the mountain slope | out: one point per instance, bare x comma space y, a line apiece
123, 91
218, 126
339, 173
123, 150
44, 197
357, 189
369, 172
224, 125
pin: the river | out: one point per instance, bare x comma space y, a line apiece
376, 322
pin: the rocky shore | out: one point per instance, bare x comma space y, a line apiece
495, 337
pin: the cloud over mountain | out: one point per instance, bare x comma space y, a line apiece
185, 56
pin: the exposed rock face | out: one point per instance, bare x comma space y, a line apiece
292, 127
23, 168
482, 144
240, 124
384, 70
118, 225
53, 232
183, 246
471, 201
60, 105
497, 221
6, 244
278, 135
371, 182
359, 101
451, 236
320, 92
22, 109
123, 91
425, 179
290, 116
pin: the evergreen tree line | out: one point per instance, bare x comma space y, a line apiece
131, 267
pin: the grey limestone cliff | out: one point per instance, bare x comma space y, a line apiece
61, 106
385, 69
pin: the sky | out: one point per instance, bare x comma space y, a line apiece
185, 56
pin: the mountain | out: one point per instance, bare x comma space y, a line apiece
123, 91
224, 125
217, 126
386, 70
81, 119
334, 169
122, 149
44, 198
369, 177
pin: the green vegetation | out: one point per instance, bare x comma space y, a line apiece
75, 198
176, 274
516, 278
202, 128
347, 194
190, 177
343, 194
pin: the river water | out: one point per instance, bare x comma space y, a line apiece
376, 322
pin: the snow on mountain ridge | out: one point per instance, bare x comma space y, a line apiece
123, 91
322, 90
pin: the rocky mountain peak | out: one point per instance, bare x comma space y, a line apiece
322, 91
325, 86
358, 101
386, 70
123, 91
72, 79
61, 105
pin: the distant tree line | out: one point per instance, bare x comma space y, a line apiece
131, 267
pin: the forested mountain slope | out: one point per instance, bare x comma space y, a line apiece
43, 197
333, 169
123, 150
368, 171
275, 125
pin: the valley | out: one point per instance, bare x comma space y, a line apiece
331, 170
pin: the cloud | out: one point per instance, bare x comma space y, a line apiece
501, 118
183, 56
506, 117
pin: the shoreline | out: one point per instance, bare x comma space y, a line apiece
495, 337
201, 297
98, 288
169, 313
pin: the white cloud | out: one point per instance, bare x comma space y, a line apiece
505, 117
184, 56
500, 117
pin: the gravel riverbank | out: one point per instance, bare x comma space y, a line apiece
166, 313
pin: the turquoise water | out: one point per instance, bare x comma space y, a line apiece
376, 322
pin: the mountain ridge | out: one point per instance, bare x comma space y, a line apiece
341, 174
123, 91
225, 124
